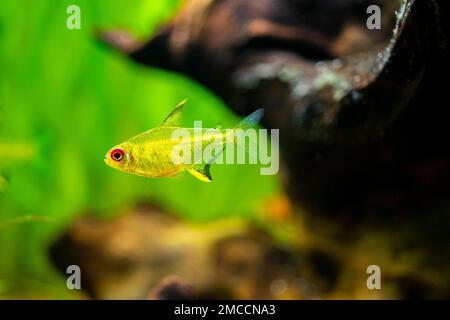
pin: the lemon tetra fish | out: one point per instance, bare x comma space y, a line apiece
151, 153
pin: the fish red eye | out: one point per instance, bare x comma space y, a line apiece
117, 154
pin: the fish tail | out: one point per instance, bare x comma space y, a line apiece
240, 130
251, 120
248, 122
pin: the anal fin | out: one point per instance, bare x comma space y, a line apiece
201, 172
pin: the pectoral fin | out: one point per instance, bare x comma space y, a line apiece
174, 118
201, 172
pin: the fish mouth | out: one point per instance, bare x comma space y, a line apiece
106, 159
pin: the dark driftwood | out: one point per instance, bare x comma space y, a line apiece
366, 131
363, 114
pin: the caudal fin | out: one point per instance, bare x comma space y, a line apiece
251, 120
239, 133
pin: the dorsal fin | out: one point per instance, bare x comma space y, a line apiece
201, 172
174, 118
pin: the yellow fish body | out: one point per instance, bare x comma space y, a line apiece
150, 154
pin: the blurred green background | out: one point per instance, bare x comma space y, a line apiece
64, 101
